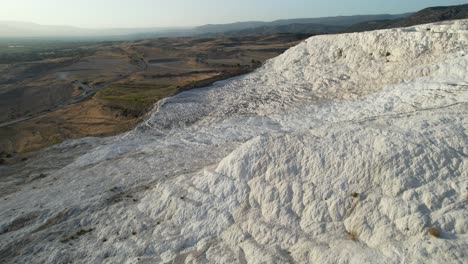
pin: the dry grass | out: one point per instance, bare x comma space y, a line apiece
76, 235
89, 118
352, 235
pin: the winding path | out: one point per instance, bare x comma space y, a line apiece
88, 92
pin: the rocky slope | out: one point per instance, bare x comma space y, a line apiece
345, 149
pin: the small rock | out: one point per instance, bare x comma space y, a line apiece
433, 231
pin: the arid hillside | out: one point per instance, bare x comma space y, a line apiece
106, 88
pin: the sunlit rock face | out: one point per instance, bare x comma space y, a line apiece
345, 149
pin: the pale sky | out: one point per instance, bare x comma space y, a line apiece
159, 13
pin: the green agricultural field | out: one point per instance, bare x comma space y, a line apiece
135, 99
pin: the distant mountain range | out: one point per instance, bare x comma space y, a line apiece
290, 28
358, 23
12, 29
425, 16
328, 22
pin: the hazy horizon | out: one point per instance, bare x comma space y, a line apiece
107, 14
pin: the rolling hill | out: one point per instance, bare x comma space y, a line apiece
290, 28
349, 24
291, 25
428, 15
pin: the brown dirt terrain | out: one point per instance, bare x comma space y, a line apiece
126, 79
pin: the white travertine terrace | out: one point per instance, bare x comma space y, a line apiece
345, 149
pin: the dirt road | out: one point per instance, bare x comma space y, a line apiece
88, 92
